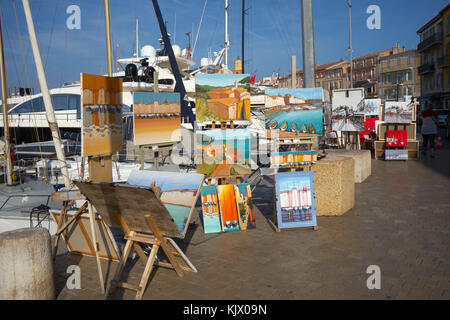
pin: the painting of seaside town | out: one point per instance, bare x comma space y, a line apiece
228, 209
292, 159
295, 199
244, 204
223, 153
177, 191
101, 115
399, 112
210, 209
156, 118
294, 112
222, 97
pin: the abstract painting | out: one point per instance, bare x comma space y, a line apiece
244, 204
223, 153
399, 112
344, 120
156, 118
210, 208
294, 112
350, 99
177, 191
295, 199
292, 159
222, 97
371, 107
101, 115
228, 209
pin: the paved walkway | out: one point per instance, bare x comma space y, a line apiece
401, 222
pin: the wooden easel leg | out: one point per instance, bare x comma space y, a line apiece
60, 222
147, 272
121, 265
164, 245
95, 243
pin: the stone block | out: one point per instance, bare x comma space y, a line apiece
363, 161
334, 185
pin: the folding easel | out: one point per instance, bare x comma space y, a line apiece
144, 219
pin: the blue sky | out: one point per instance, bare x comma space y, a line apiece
273, 32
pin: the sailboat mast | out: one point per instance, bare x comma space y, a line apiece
5, 110
226, 34
108, 38
46, 94
137, 37
243, 35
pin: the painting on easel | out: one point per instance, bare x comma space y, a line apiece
156, 118
177, 191
210, 209
244, 204
295, 199
101, 115
294, 112
223, 153
398, 112
228, 209
222, 97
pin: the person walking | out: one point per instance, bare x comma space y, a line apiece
429, 129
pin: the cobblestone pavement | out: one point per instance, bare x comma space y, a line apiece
400, 222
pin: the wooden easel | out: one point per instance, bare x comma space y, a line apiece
144, 219
157, 240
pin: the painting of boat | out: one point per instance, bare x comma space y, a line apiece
210, 209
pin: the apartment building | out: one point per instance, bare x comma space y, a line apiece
434, 49
398, 75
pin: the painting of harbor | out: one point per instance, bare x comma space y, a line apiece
294, 112
177, 191
212, 222
371, 107
344, 119
244, 205
228, 209
222, 97
101, 115
292, 159
295, 199
156, 118
223, 153
399, 112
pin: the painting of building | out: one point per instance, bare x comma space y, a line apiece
210, 209
101, 115
177, 191
228, 209
222, 97
223, 153
399, 112
156, 118
295, 199
244, 204
292, 159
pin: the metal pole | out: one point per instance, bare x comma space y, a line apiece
5, 110
293, 72
308, 45
351, 48
46, 94
243, 34
108, 38
226, 34
137, 37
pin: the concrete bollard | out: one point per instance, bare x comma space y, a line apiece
26, 268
